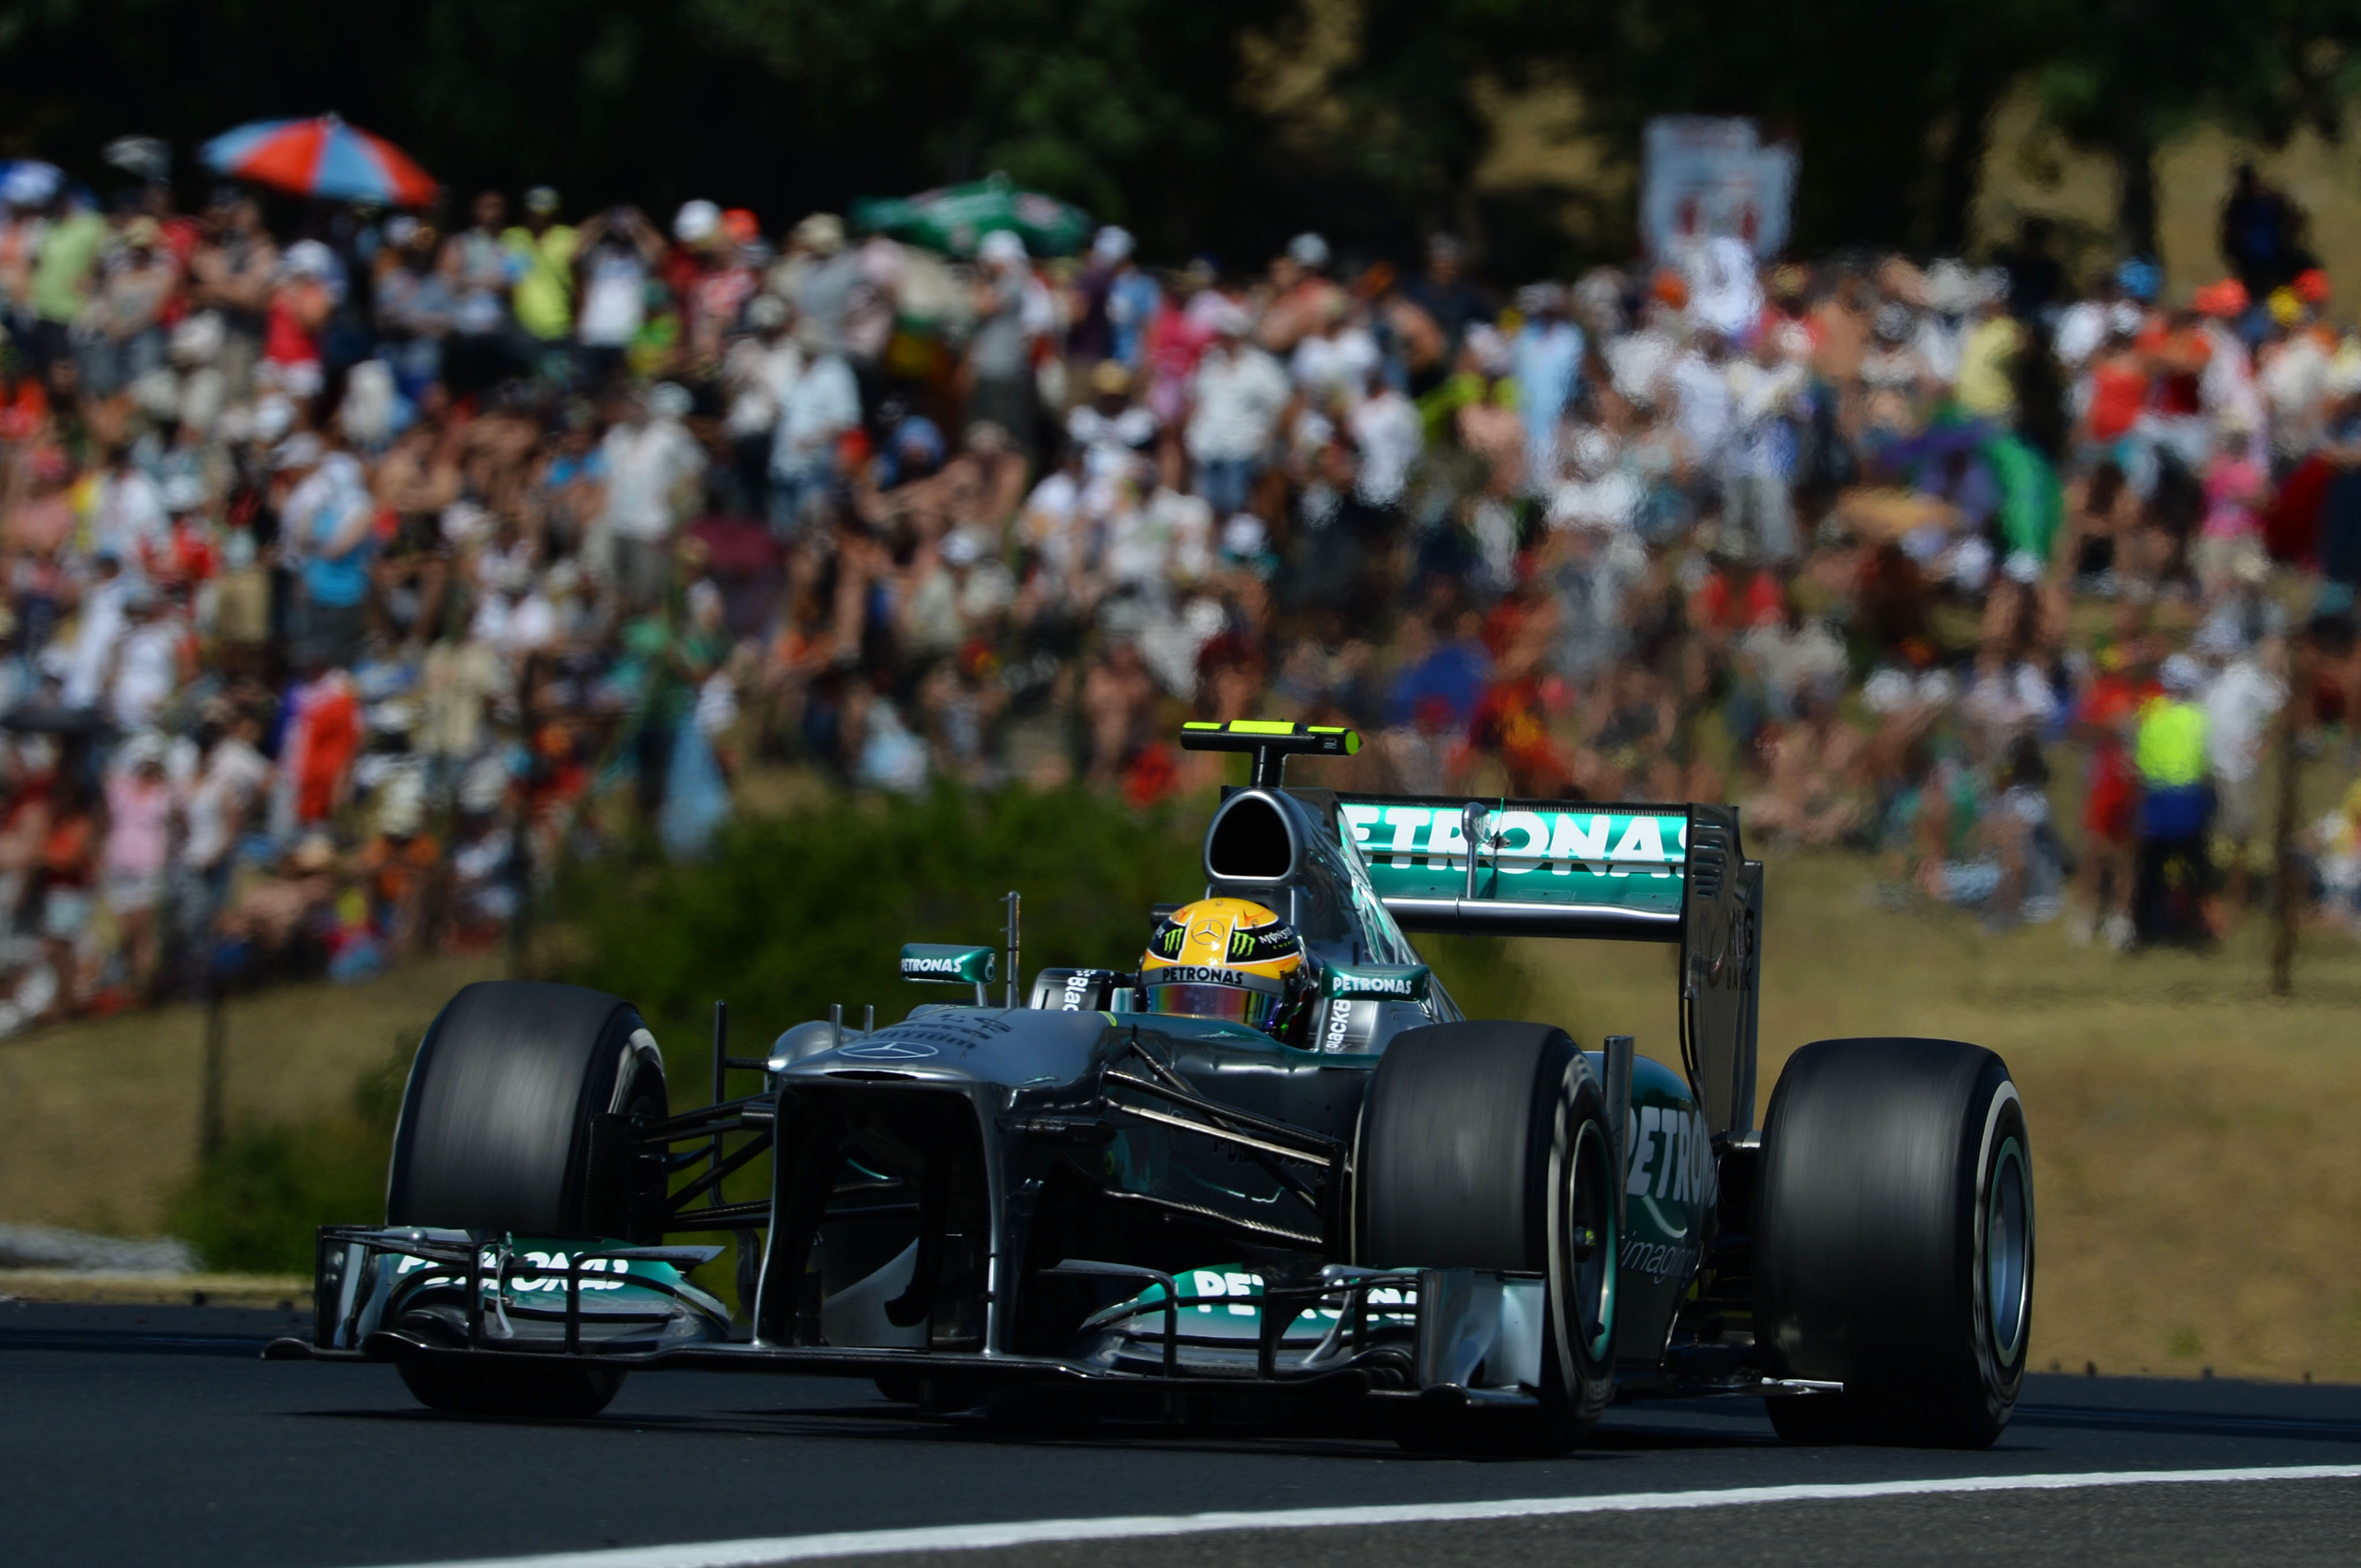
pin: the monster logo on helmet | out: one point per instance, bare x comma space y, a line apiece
1228, 959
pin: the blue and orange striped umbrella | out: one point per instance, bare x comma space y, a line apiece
322, 157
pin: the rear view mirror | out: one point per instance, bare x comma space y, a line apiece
951, 963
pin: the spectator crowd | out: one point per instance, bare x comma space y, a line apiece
358, 575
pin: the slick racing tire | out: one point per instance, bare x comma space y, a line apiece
460, 1385
1486, 1145
1893, 1242
515, 1122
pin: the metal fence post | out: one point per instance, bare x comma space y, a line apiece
214, 1075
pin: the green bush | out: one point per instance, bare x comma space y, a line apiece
253, 1206
791, 914
788, 915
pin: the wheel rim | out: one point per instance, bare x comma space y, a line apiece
1589, 1268
2008, 1247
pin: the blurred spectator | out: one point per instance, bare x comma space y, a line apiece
651, 462
2170, 749
353, 578
1238, 392
542, 252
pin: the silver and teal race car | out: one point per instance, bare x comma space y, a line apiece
1460, 1233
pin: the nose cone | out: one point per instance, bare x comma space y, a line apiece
1008, 1047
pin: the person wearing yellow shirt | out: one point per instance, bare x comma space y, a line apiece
541, 254
2175, 875
1988, 351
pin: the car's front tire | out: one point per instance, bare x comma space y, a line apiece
513, 1125
1486, 1145
567, 1389
1894, 1248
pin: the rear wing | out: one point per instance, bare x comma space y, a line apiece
1539, 868
1549, 867
1535, 867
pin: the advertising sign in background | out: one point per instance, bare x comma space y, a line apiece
1706, 179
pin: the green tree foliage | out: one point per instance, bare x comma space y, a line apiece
2121, 78
1127, 106
1124, 106
1136, 109
1410, 123
1889, 104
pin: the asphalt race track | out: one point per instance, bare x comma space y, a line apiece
139, 1435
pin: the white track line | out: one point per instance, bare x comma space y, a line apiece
756, 1554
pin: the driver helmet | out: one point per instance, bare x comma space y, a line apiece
1228, 959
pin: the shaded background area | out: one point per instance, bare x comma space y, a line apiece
1223, 125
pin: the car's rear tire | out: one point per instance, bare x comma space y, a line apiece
1486, 1146
564, 1389
1893, 1249
513, 1124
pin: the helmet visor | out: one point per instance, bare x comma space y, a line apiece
1233, 1003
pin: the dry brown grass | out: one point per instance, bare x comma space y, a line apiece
98, 1120
2196, 1170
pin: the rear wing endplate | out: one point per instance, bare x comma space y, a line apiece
1648, 873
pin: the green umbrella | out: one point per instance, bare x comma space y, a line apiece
955, 218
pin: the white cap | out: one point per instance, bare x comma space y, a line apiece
183, 492
401, 803
308, 259
1244, 534
961, 549
1887, 691
1951, 287
669, 400
274, 416
148, 746
1002, 247
1594, 451
30, 184
302, 450
1113, 244
2180, 674
696, 222
1308, 250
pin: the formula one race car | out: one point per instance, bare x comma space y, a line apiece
1272, 1172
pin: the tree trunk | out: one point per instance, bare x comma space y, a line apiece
2285, 868
1960, 171
2135, 190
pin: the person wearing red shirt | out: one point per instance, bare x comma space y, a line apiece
2119, 383
2105, 719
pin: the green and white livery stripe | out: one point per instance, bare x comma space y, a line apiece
1527, 852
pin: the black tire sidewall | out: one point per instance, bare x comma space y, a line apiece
522, 1153
1525, 1160
1577, 1383
1872, 1264
2000, 1119
567, 1389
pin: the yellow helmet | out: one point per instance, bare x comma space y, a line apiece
1223, 957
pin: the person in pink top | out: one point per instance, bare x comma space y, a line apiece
2235, 490
138, 842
